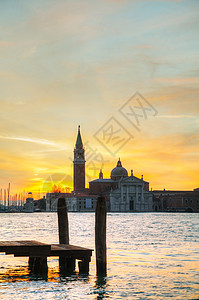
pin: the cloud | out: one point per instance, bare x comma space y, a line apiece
175, 99
30, 140
30, 52
145, 46
5, 44
176, 116
178, 80
60, 17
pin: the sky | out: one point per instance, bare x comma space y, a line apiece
126, 71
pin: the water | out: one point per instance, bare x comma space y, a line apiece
150, 256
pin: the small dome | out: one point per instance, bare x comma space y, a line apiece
118, 171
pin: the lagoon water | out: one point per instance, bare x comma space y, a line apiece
150, 256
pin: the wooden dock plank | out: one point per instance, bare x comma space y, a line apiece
63, 247
23, 248
35, 248
70, 251
30, 243
38, 253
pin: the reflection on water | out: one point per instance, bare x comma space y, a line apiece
101, 287
150, 256
14, 274
24, 274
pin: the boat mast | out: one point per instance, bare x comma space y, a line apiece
8, 196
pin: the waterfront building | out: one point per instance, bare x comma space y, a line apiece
40, 204
176, 201
75, 202
123, 193
29, 205
52, 198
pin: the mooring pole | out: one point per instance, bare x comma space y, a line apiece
66, 265
63, 221
38, 265
100, 236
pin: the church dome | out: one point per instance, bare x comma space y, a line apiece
118, 171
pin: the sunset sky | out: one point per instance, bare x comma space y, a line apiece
69, 63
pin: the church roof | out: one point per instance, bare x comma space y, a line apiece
133, 178
103, 180
119, 171
79, 143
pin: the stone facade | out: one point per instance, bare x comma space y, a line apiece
131, 195
176, 201
123, 193
75, 203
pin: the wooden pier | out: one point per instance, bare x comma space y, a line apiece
38, 253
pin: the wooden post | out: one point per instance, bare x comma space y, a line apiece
38, 265
66, 265
63, 221
84, 265
100, 236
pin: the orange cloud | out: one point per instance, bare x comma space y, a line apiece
178, 80
5, 44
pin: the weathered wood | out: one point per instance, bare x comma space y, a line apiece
63, 221
100, 236
38, 265
83, 266
25, 248
66, 265
31, 262
70, 251
38, 257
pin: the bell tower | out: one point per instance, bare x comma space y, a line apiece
79, 165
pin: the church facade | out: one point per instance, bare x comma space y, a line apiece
123, 193
131, 195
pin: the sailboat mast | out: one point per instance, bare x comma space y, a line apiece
8, 196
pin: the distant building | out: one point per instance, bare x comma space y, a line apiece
75, 202
51, 200
40, 204
176, 201
29, 205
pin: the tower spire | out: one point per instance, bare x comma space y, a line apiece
79, 164
79, 143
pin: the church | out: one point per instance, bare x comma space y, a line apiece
123, 193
